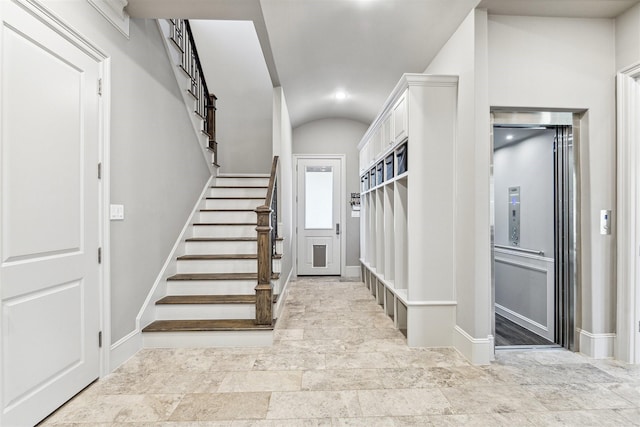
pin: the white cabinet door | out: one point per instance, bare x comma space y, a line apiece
400, 119
319, 233
49, 296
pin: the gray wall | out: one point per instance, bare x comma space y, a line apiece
236, 72
337, 136
628, 38
529, 165
157, 169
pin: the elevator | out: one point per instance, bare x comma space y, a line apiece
534, 194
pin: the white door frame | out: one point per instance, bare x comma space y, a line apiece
41, 12
628, 211
343, 203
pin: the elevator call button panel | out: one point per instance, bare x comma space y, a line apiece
514, 216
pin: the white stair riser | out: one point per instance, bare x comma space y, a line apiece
224, 231
218, 266
211, 287
226, 217
238, 192
233, 203
222, 248
205, 311
209, 339
242, 182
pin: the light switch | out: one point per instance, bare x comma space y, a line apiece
605, 221
116, 212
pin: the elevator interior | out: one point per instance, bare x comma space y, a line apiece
534, 223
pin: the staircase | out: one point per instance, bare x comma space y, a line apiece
211, 300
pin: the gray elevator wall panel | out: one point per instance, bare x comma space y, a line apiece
522, 290
525, 161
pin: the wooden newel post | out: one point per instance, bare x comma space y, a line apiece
264, 290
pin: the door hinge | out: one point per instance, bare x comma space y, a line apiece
99, 170
99, 255
100, 339
100, 87
638, 325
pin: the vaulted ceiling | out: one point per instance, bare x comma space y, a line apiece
315, 48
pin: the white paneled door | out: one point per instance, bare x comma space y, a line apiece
319, 228
49, 272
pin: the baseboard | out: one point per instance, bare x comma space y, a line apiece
352, 271
124, 349
479, 351
282, 297
147, 313
597, 346
525, 322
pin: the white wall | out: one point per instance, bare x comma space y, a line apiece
628, 38
569, 64
337, 136
282, 146
236, 72
465, 55
157, 168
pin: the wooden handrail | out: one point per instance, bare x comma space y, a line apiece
267, 232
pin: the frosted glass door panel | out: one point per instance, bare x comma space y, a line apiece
319, 198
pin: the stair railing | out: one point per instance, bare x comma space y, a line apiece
182, 36
267, 230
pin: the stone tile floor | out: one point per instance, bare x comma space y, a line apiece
338, 361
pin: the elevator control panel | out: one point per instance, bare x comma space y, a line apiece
514, 216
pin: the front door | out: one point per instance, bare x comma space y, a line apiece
49, 272
319, 232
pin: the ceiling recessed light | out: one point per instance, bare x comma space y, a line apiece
340, 95
509, 137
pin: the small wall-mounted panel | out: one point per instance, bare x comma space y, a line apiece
514, 216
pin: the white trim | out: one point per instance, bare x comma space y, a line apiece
124, 349
479, 351
352, 271
113, 11
244, 175
597, 346
343, 205
147, 313
628, 210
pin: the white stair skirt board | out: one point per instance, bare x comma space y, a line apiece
597, 346
478, 351
211, 287
147, 312
234, 203
228, 217
224, 230
207, 339
222, 248
237, 192
281, 288
205, 311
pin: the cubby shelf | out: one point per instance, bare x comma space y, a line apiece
406, 223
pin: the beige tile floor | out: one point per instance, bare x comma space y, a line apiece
338, 361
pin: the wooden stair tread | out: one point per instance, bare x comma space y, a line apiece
226, 239
225, 223
235, 198
205, 325
239, 186
227, 210
208, 257
219, 276
208, 299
